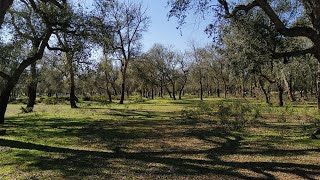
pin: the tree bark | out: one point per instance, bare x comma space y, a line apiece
168, 90
123, 84
288, 84
201, 90
32, 88
318, 85
4, 99
225, 90
161, 88
280, 94
266, 95
173, 91
72, 98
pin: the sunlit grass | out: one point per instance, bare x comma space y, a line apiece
155, 139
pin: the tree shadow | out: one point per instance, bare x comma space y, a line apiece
150, 148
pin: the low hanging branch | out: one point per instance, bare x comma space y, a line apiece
299, 31
294, 53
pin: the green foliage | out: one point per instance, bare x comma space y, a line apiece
284, 113
101, 139
100, 99
237, 115
138, 99
55, 100
19, 101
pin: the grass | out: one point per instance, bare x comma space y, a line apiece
153, 139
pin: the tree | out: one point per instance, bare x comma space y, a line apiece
46, 25
282, 24
126, 22
5, 5
72, 40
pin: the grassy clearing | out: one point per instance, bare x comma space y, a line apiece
158, 139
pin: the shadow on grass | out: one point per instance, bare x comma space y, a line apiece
114, 154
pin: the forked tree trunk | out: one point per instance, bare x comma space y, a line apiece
32, 88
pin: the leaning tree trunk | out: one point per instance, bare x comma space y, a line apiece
4, 99
32, 88
266, 95
72, 98
168, 90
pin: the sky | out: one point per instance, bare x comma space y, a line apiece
163, 30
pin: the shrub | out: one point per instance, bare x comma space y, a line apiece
237, 115
55, 100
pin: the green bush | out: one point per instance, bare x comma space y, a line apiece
55, 100
138, 99
237, 115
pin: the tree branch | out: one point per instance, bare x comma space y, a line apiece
298, 31
238, 8
4, 75
293, 53
56, 48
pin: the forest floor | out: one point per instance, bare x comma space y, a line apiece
158, 139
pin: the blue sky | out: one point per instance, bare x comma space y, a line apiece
164, 31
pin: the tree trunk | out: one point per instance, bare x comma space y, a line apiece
266, 95
32, 88
152, 93
123, 84
288, 84
73, 99
4, 99
218, 89
114, 88
225, 90
168, 90
280, 94
108, 90
173, 91
161, 88
201, 87
318, 84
